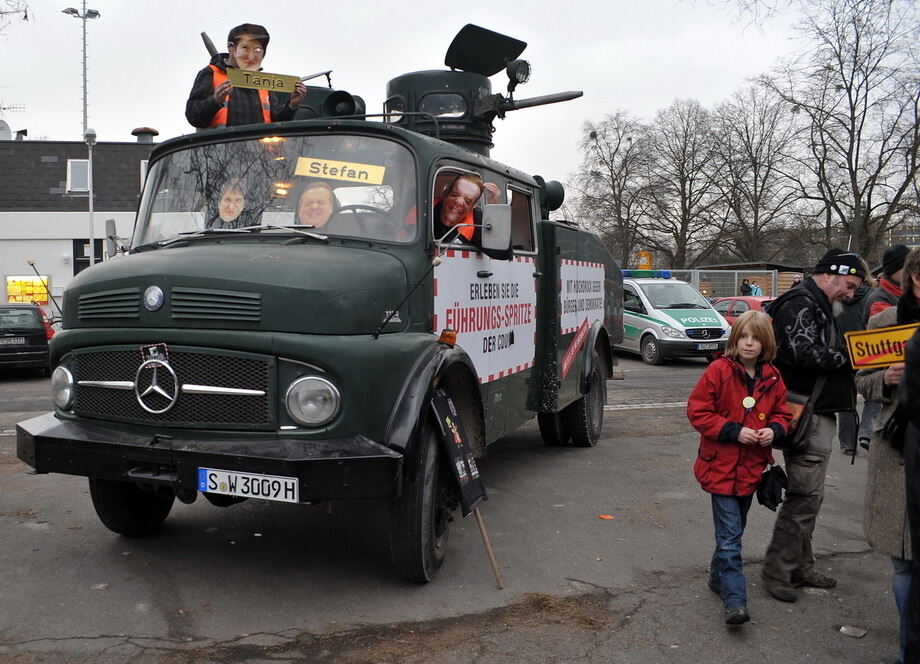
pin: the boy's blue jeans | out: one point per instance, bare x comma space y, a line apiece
729, 515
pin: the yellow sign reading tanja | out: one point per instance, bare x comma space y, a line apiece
879, 347
340, 170
260, 80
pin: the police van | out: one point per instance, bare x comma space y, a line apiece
298, 359
664, 318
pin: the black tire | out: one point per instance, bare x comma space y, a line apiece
585, 417
651, 351
421, 515
554, 430
127, 509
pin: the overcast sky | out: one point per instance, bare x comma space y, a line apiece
636, 55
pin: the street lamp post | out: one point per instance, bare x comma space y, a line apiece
87, 13
90, 137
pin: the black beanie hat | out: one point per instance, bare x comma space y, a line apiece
893, 259
838, 261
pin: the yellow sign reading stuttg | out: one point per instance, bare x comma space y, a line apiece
260, 80
340, 170
879, 347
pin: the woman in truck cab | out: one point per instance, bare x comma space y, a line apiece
230, 206
316, 204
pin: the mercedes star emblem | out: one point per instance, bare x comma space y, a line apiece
153, 298
155, 384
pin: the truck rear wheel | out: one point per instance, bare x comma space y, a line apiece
585, 417
129, 510
554, 429
422, 514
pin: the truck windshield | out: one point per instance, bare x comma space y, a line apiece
674, 296
342, 185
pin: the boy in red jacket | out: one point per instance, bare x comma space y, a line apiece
738, 406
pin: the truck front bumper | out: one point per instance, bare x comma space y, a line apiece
329, 469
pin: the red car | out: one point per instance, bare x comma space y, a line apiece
732, 307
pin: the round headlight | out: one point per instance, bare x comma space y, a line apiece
62, 388
312, 401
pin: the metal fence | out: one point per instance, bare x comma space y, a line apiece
724, 283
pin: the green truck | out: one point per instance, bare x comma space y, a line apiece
266, 357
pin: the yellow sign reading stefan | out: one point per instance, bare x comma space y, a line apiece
340, 170
260, 80
880, 347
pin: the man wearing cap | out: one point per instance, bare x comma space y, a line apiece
810, 345
885, 295
888, 291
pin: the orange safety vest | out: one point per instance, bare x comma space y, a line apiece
220, 118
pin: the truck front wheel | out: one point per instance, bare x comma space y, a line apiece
585, 417
127, 509
422, 514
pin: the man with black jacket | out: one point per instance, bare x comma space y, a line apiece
810, 347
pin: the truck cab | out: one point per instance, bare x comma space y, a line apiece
287, 308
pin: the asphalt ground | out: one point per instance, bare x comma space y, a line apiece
261, 582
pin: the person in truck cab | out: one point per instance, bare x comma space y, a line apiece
230, 206
316, 204
213, 102
457, 206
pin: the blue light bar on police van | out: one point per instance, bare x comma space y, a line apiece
647, 274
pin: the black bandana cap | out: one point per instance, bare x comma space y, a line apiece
838, 261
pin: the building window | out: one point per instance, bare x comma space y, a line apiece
77, 175
143, 172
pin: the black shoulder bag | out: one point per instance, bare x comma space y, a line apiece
803, 409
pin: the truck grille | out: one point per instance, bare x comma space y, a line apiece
210, 304
192, 367
705, 332
120, 303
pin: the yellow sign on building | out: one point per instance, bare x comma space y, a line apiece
880, 347
27, 289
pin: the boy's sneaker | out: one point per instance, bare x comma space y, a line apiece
737, 616
813, 580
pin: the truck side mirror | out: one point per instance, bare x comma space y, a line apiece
111, 235
496, 227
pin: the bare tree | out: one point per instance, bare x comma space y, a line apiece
856, 91
10, 9
612, 183
680, 223
754, 135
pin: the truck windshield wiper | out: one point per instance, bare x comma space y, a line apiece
295, 228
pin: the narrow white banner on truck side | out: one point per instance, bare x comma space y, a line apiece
491, 305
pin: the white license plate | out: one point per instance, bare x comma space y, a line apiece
13, 341
248, 485
707, 346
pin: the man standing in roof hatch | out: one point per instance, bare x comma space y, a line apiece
214, 102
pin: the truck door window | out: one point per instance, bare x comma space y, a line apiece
521, 220
458, 199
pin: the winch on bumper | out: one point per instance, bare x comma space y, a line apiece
328, 469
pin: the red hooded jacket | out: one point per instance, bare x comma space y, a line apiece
723, 465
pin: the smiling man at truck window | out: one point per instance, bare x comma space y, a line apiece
457, 205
